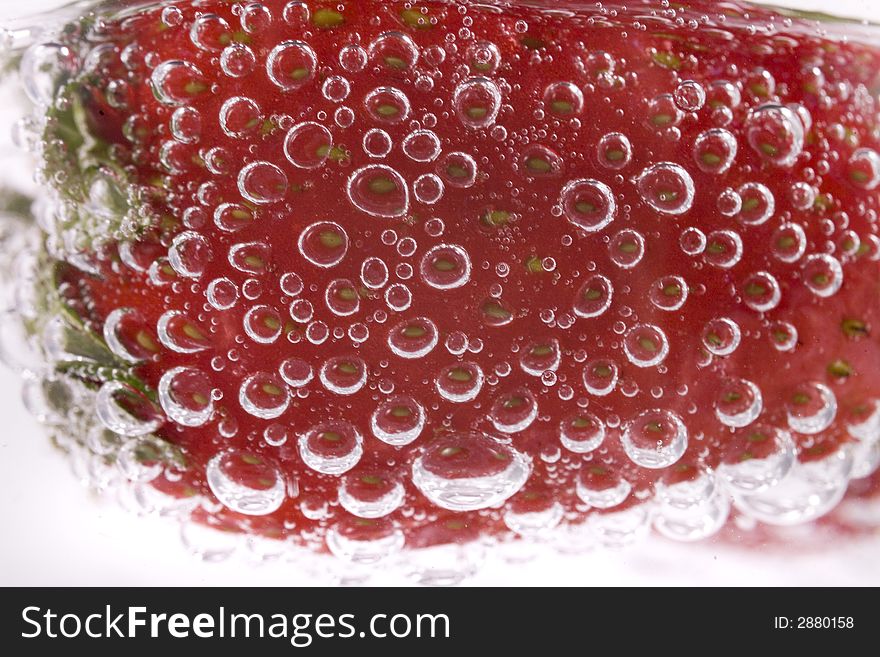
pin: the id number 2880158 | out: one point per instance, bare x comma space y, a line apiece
814, 623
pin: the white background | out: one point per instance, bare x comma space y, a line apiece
55, 532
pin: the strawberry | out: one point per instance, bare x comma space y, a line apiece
374, 275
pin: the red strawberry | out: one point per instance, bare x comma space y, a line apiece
373, 274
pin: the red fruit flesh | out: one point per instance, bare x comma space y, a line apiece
533, 309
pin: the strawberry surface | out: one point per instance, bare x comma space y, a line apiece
375, 274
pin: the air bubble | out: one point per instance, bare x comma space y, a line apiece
428, 189
715, 150
324, 244
342, 298
210, 32
460, 383
222, 293
776, 133
240, 117
458, 170
398, 421
421, 146
721, 336
669, 293
370, 494
690, 96
514, 411
864, 168
822, 274
761, 292
667, 188
308, 145
262, 324
374, 273
331, 448
296, 372
534, 516
663, 112
724, 249
601, 487
484, 57
302, 311
387, 105
588, 204
645, 345
125, 332
469, 471
262, 182
581, 433
692, 504
177, 332
396, 52
264, 396
336, 89
237, 60
364, 542
250, 257
739, 403
729, 202
177, 82
245, 482
377, 143
627, 248
563, 99
655, 439
594, 297
379, 191
353, 58
809, 490
414, 338
446, 267
477, 102
540, 357
614, 151
186, 125
600, 376
758, 204
811, 408
692, 241
789, 242
723, 93
291, 65
185, 396
189, 254
343, 375
125, 410
538, 161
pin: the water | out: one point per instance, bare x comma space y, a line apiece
346, 290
